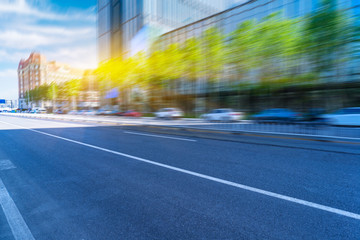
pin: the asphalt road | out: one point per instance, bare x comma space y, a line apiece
61, 180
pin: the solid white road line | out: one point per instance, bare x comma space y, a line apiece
214, 179
16, 222
283, 133
6, 164
161, 136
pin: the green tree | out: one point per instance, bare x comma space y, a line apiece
327, 35
52, 93
190, 64
72, 90
275, 46
213, 58
241, 52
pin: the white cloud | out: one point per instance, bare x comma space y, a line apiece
12, 56
21, 40
8, 84
35, 36
67, 36
58, 30
8, 73
21, 7
71, 55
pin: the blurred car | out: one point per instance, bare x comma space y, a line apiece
89, 112
344, 117
277, 114
314, 115
81, 112
223, 114
112, 112
73, 112
58, 111
169, 113
39, 110
131, 113
100, 112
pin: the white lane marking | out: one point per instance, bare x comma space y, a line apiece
280, 133
214, 179
6, 164
161, 136
16, 222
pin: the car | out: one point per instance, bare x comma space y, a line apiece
169, 113
81, 112
276, 115
131, 113
223, 114
73, 112
39, 111
100, 112
89, 112
344, 117
112, 113
58, 111
313, 115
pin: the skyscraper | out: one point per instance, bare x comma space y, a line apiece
128, 26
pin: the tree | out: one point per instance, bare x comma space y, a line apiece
241, 52
213, 57
190, 64
327, 35
275, 47
52, 93
72, 89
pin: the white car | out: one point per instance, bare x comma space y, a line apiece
344, 117
40, 110
90, 113
169, 113
223, 114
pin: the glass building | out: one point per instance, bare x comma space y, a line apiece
128, 26
228, 20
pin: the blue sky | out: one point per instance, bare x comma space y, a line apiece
62, 30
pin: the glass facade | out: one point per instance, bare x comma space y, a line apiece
104, 29
227, 21
120, 21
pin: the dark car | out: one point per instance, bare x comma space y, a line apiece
314, 115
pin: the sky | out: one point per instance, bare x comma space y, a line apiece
62, 30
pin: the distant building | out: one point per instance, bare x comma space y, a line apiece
128, 26
8, 105
36, 71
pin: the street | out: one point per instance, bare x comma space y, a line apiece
63, 180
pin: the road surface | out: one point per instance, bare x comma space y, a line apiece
62, 180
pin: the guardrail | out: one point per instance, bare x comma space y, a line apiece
276, 128
300, 128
